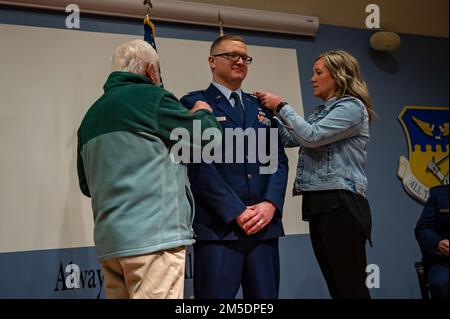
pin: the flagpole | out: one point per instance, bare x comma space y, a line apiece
219, 18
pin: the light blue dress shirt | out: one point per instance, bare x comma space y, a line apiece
227, 93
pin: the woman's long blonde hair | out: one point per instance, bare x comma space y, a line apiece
346, 72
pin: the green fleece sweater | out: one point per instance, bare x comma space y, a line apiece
141, 199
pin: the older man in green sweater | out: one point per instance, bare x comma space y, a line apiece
141, 198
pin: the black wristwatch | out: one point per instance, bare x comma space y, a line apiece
280, 106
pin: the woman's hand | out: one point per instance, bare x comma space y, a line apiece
268, 100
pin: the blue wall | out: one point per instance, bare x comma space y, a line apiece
416, 74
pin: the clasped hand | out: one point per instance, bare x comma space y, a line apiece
443, 247
256, 217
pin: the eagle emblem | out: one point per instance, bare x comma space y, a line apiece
429, 129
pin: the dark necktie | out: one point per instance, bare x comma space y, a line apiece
238, 106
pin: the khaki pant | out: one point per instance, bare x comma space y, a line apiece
158, 275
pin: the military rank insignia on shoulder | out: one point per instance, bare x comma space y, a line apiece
196, 92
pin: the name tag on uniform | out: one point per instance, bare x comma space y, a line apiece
221, 118
443, 210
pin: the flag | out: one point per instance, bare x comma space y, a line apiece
149, 32
149, 36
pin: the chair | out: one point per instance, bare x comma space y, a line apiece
423, 281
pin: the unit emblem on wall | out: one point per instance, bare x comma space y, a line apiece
426, 130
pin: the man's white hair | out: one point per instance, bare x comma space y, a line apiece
134, 56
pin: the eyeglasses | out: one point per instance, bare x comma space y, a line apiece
234, 57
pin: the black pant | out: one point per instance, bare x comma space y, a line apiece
339, 245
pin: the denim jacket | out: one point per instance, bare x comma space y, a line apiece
333, 145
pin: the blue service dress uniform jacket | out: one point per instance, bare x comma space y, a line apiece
433, 224
431, 228
223, 190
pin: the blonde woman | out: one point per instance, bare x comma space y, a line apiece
330, 172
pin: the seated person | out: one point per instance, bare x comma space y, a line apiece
432, 234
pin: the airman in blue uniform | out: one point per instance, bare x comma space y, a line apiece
432, 235
238, 215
